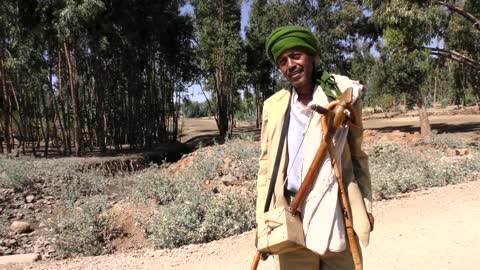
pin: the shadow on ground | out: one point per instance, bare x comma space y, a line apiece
439, 128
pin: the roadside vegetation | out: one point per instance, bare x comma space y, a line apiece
209, 194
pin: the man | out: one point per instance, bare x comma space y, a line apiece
294, 50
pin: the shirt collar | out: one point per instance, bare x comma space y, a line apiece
295, 97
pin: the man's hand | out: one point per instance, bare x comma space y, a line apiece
371, 219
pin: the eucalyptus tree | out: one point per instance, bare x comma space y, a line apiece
407, 28
102, 70
7, 20
412, 25
220, 51
258, 65
339, 27
72, 19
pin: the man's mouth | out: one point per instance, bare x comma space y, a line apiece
296, 74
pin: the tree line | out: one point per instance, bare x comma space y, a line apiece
100, 75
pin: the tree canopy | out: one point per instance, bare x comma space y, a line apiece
87, 75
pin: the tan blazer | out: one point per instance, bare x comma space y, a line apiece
355, 170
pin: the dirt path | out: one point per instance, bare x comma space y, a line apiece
431, 229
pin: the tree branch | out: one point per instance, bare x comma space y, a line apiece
455, 56
467, 15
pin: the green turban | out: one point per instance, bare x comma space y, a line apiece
288, 37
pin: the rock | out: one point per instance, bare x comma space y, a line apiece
20, 259
29, 198
11, 242
229, 180
20, 227
462, 152
451, 152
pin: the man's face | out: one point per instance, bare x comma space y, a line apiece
297, 67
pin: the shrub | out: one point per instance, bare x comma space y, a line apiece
197, 217
395, 171
4, 225
82, 229
192, 214
74, 185
154, 182
16, 173
228, 215
441, 142
59, 178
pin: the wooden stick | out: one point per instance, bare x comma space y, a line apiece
256, 260
354, 248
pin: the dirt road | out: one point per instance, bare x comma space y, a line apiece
432, 229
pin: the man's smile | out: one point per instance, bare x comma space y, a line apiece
296, 74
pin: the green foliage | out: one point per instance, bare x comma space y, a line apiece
74, 185
189, 213
229, 215
179, 223
220, 52
57, 54
447, 143
412, 27
197, 217
59, 178
15, 174
396, 170
82, 229
196, 109
4, 225
155, 183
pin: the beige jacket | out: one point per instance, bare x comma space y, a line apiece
355, 170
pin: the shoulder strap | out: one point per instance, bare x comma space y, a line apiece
278, 157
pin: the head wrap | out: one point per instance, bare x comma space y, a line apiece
288, 37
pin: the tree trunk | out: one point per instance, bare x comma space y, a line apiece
478, 102
257, 106
64, 127
100, 100
46, 136
425, 129
6, 105
75, 106
53, 101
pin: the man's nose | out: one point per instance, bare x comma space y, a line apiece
290, 64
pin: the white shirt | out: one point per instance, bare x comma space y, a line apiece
299, 116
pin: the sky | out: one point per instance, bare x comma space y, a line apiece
194, 91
